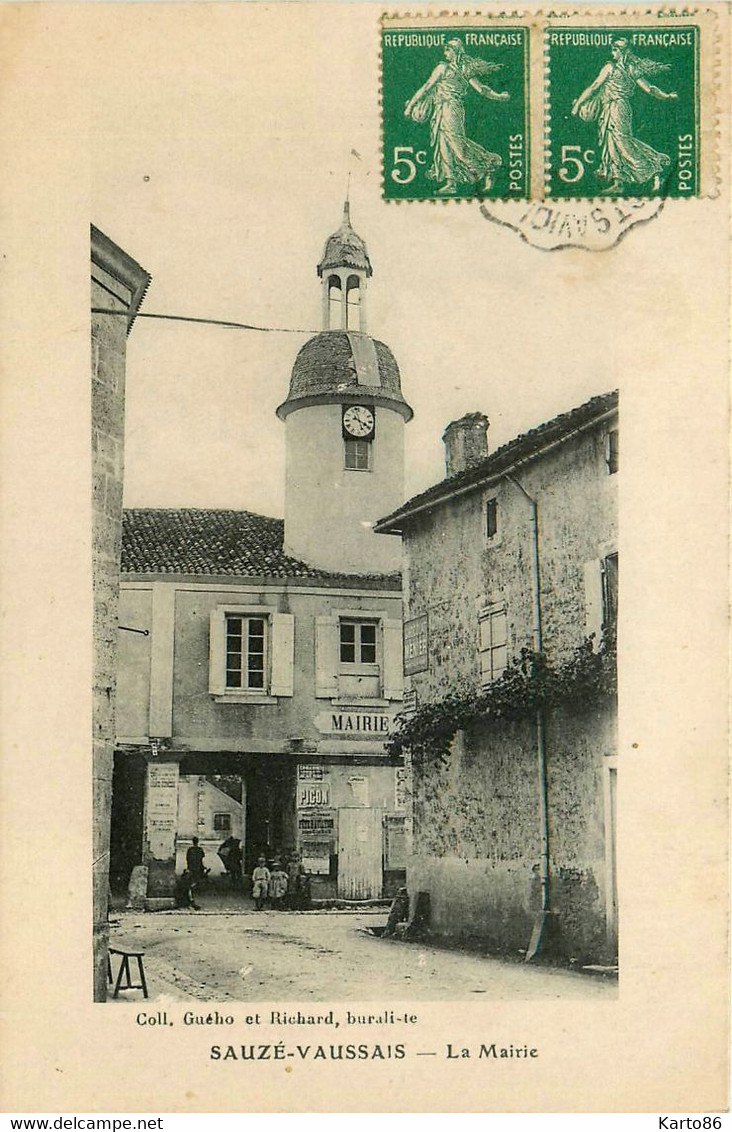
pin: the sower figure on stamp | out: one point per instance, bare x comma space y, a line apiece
456, 159
623, 158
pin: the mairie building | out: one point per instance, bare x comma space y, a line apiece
268, 652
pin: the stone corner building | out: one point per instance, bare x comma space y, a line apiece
273, 659
516, 550
118, 285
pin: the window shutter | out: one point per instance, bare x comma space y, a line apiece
326, 657
593, 599
283, 654
217, 653
393, 675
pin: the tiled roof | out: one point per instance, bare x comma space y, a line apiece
522, 448
345, 248
190, 540
326, 364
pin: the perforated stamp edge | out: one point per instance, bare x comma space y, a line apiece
709, 80
496, 17
713, 24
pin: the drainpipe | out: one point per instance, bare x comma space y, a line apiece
540, 922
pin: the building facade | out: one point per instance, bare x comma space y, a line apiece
118, 285
271, 652
515, 554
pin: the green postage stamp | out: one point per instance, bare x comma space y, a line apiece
622, 111
455, 108
565, 104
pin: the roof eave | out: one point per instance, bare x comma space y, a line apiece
356, 393
111, 258
480, 477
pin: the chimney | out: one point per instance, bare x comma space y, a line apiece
466, 442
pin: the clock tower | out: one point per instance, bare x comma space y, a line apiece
345, 417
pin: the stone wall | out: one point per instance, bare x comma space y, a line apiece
117, 284
108, 380
476, 833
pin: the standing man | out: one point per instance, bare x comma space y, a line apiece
234, 865
194, 861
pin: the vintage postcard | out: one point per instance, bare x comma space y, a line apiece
364, 699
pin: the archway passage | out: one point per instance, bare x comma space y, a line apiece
220, 795
263, 786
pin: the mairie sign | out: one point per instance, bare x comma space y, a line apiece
359, 724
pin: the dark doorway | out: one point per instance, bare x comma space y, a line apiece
128, 807
270, 820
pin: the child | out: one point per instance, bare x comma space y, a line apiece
277, 885
183, 895
260, 883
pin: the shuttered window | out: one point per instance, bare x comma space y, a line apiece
492, 641
610, 593
359, 657
251, 652
601, 596
246, 652
357, 642
612, 451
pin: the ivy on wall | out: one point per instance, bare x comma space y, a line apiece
587, 679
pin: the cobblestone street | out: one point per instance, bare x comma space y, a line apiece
322, 956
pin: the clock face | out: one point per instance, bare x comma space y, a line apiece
358, 420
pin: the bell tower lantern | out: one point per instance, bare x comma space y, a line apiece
345, 416
344, 270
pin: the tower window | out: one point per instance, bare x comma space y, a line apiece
335, 301
357, 455
353, 303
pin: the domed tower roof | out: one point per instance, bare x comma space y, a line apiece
345, 248
341, 365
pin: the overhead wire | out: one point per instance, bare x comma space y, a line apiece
204, 321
